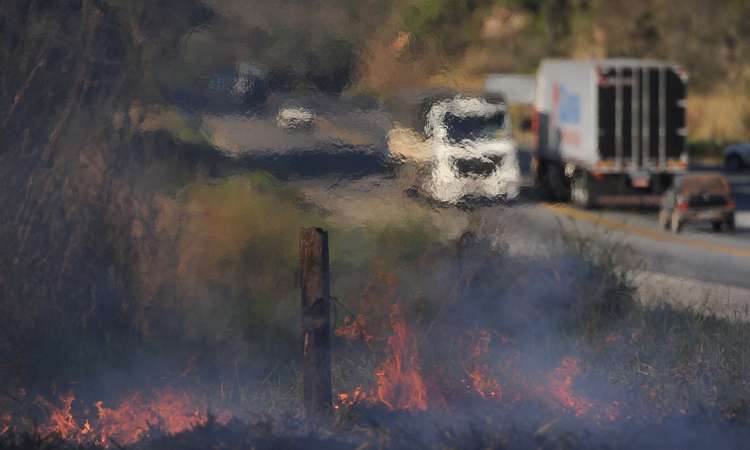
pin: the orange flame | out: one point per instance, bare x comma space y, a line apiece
5, 423
559, 389
484, 385
350, 399
555, 388
399, 384
61, 420
560, 384
354, 329
398, 380
168, 410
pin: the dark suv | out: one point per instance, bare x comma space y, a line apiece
698, 198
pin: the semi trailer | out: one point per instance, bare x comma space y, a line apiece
609, 131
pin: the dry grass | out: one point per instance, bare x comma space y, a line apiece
719, 117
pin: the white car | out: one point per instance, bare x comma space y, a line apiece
737, 156
295, 118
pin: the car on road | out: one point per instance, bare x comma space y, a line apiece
295, 118
698, 198
737, 157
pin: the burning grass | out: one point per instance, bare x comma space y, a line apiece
606, 364
435, 345
463, 346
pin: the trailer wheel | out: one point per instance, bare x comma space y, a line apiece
664, 220
543, 182
731, 226
676, 224
555, 185
581, 193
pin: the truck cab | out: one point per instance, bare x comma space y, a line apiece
473, 151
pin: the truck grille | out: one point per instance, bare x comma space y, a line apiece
477, 167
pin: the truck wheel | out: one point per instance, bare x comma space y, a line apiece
544, 181
555, 183
581, 193
675, 224
716, 226
731, 227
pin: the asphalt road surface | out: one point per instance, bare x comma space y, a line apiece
695, 261
697, 268
697, 253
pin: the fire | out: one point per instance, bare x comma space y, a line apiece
61, 420
484, 385
481, 382
354, 329
555, 388
399, 382
169, 411
5, 423
401, 386
560, 387
494, 374
350, 399
558, 390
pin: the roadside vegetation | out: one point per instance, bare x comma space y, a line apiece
636, 368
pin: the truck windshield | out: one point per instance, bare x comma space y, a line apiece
475, 128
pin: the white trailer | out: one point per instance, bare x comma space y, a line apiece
609, 131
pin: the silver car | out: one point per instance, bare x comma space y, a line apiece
698, 198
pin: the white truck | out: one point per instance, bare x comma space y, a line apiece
461, 147
609, 131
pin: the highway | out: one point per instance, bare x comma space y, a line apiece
696, 253
697, 257
697, 268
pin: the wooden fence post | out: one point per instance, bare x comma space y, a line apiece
316, 333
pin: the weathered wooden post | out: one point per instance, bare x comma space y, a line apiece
316, 333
